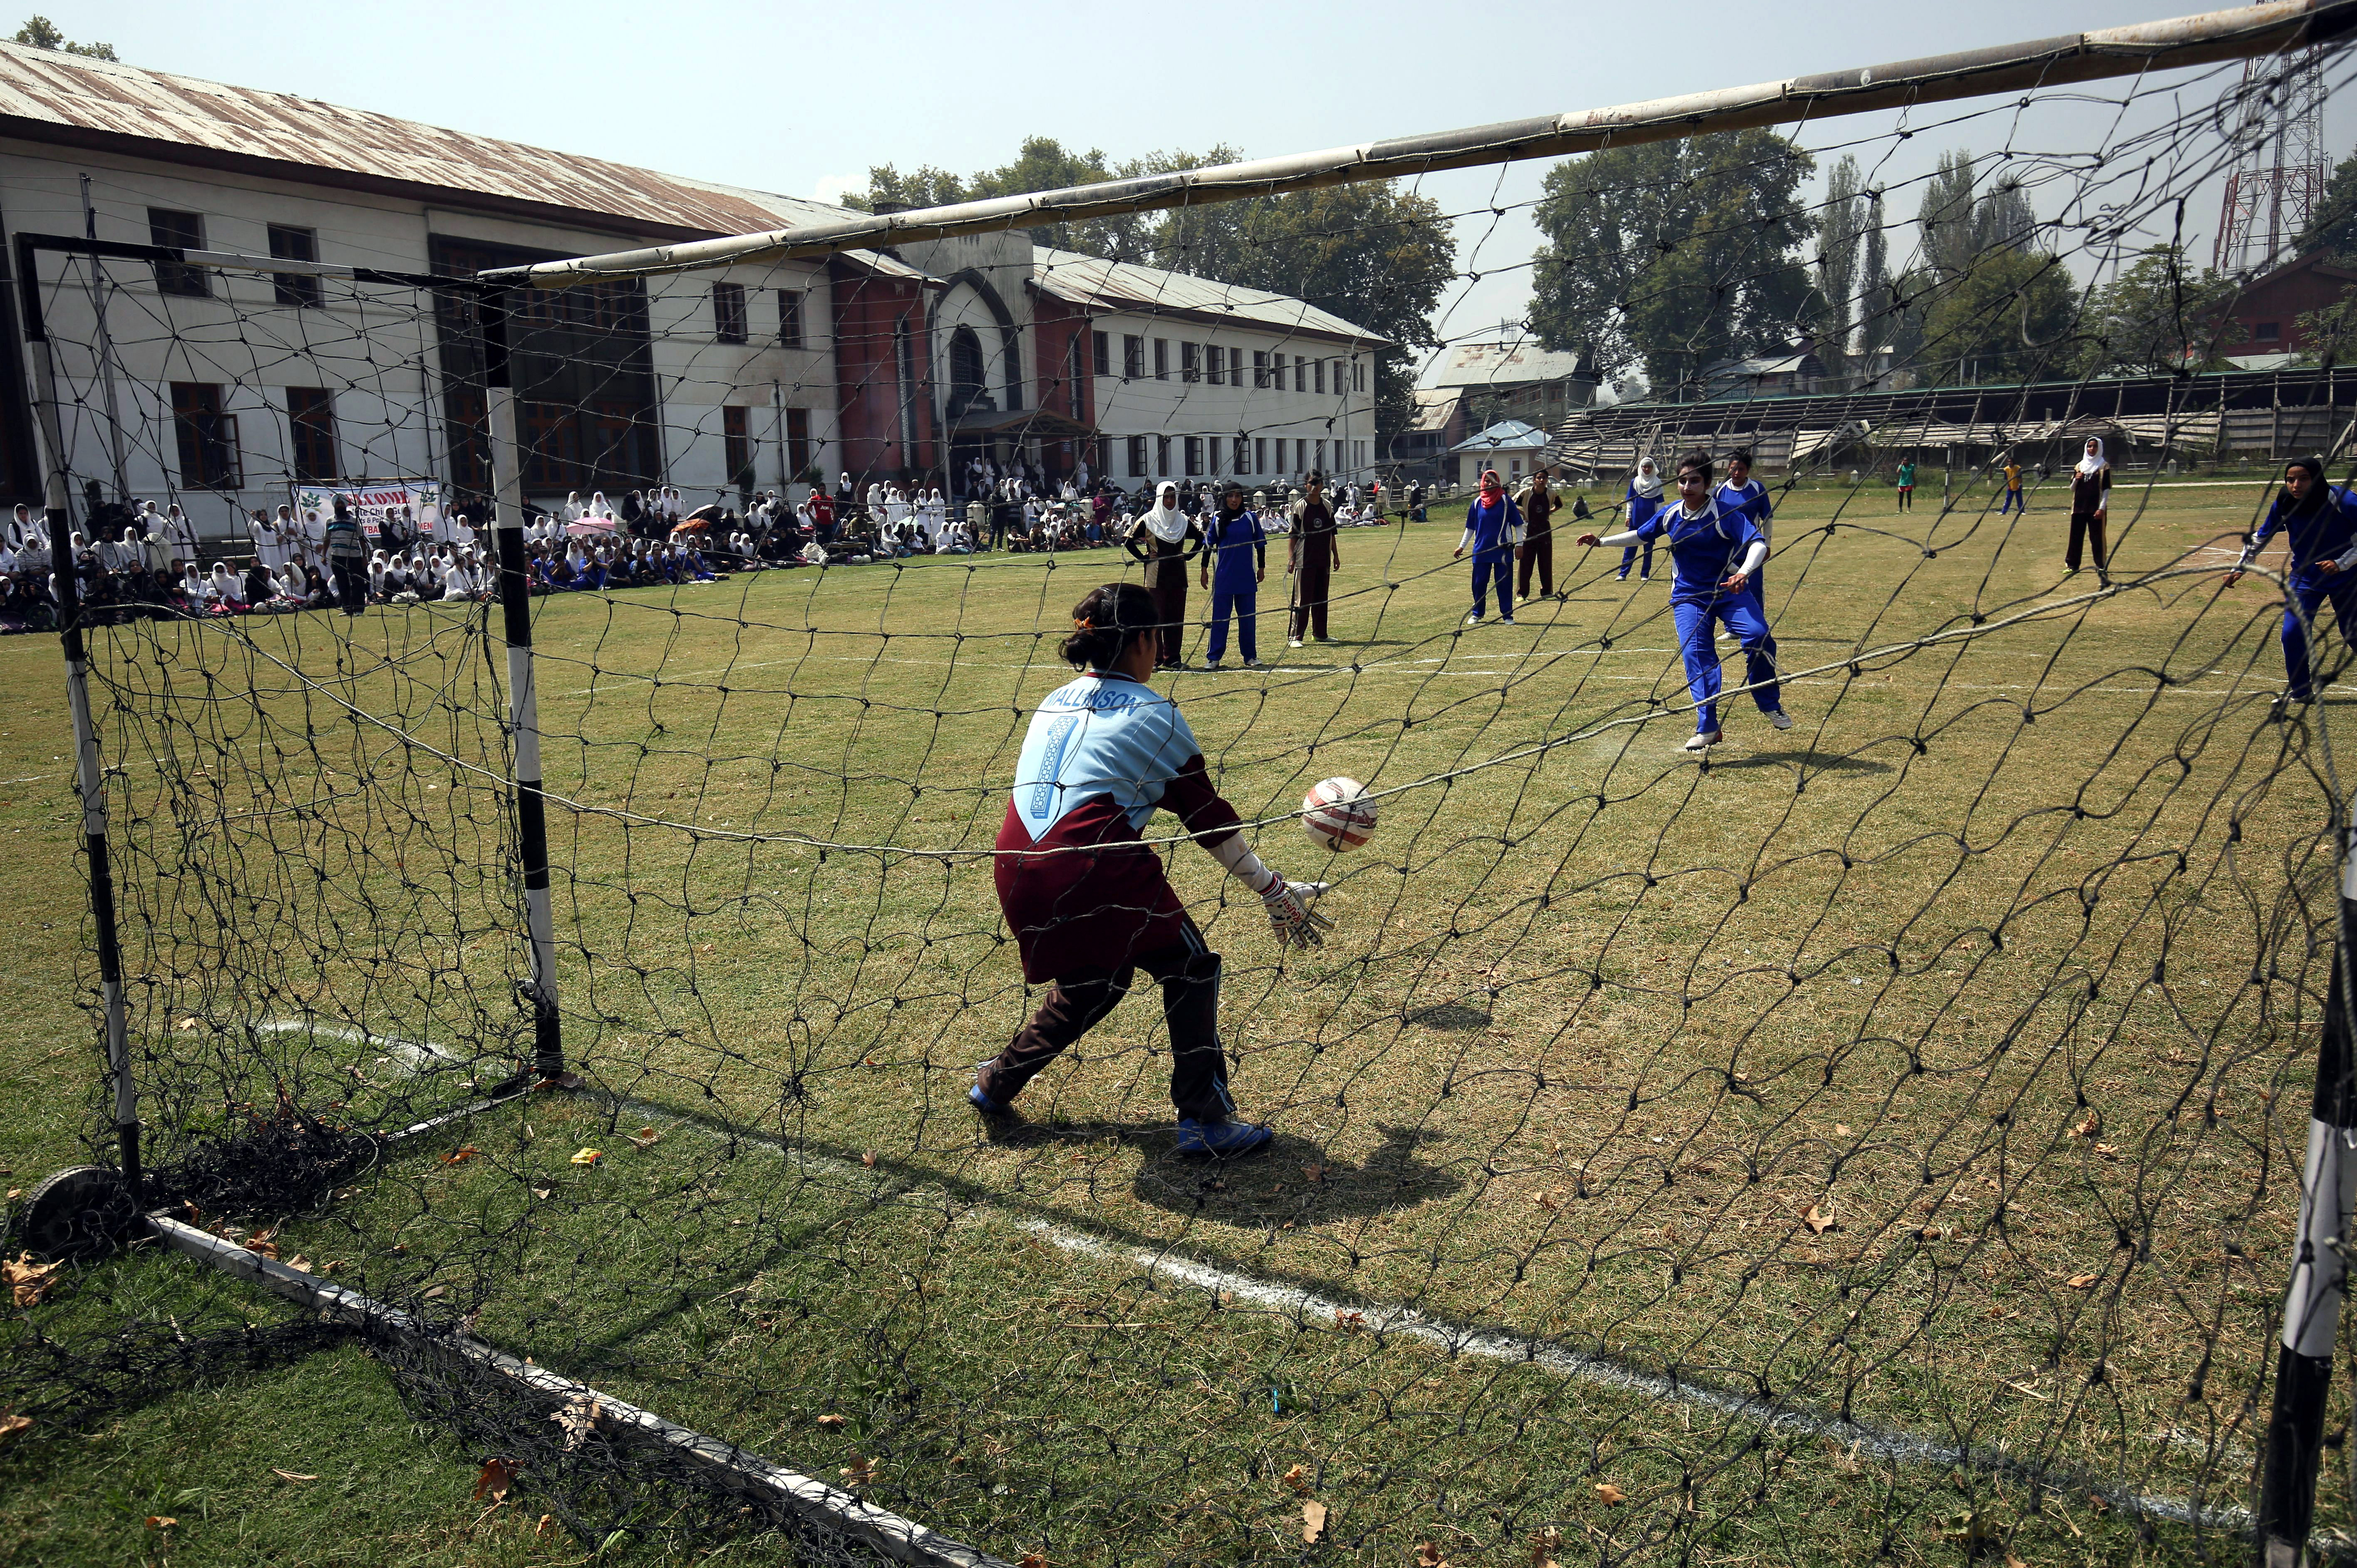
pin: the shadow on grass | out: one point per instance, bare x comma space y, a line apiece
1291, 1181
1814, 761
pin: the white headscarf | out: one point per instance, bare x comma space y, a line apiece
1648, 482
1166, 522
2093, 462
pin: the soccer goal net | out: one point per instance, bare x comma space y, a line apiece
1813, 1052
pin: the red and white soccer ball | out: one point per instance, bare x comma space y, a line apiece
1338, 814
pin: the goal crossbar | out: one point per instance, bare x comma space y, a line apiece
2206, 38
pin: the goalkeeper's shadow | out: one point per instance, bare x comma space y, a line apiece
1293, 1182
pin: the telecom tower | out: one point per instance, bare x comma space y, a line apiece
2279, 174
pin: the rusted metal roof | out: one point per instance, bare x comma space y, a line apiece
1090, 280
43, 89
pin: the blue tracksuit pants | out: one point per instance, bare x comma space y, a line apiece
1498, 561
1697, 628
1243, 604
2311, 591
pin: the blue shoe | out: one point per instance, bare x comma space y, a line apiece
986, 1104
1205, 1139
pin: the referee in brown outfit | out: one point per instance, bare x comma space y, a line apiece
1537, 502
1313, 551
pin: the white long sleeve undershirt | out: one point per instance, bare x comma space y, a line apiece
1243, 864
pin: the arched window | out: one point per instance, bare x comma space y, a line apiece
967, 373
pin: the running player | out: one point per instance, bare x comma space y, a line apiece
1088, 901
2319, 524
1713, 550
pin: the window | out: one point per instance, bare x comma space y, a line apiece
737, 439
1191, 362
1260, 369
2268, 332
1318, 375
1194, 456
1162, 456
1358, 375
1260, 454
1300, 370
552, 437
1133, 358
1136, 453
186, 231
311, 422
1216, 445
1101, 353
1218, 366
208, 438
798, 444
789, 321
1162, 366
1103, 465
1321, 451
295, 245
728, 312
1078, 355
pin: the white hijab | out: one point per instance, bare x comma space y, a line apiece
1166, 522
1648, 481
2093, 462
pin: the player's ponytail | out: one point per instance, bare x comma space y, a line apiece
1107, 622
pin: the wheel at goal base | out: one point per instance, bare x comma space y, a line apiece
1338, 815
82, 1211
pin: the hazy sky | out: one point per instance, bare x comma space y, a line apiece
803, 99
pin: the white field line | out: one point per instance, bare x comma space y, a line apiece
1455, 1339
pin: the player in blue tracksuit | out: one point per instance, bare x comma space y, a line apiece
1235, 560
1746, 495
2319, 522
1713, 550
1493, 526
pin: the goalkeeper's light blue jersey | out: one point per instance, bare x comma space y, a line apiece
1102, 734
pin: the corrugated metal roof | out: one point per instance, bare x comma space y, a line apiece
1507, 435
45, 87
1435, 407
1503, 364
1124, 285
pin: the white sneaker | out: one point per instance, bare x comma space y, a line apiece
1781, 719
1257, 664
1505, 620
1703, 742
1473, 620
1295, 643
1208, 666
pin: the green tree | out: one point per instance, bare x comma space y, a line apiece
2158, 315
42, 33
1674, 255
1945, 217
1839, 231
2333, 225
2331, 332
2007, 319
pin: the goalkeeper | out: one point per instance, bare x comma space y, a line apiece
2318, 521
1087, 899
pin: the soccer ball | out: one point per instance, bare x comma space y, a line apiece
1338, 815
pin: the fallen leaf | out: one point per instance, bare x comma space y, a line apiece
1315, 1173
460, 1157
11, 1423
588, 1157
2013, 1562
1297, 1478
1544, 1199
1349, 1322
1427, 1555
187, 1023
1610, 1493
2109, 1151
543, 1192
498, 1475
1034, 1560
1313, 1522
2085, 1126
1818, 1219
869, 1159
832, 1422
1841, 1129
646, 1137
2081, 1281
859, 1472
299, 1263
579, 1419
436, 1292
1543, 1546
291, 1475
161, 1521
29, 1281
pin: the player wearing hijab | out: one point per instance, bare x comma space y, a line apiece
1644, 500
1713, 550
2091, 499
1538, 503
1235, 564
1746, 495
1313, 548
1493, 526
2319, 523
1088, 901
1165, 540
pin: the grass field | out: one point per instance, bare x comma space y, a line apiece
1941, 1064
